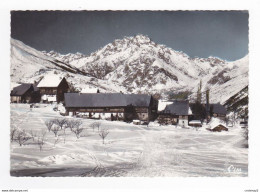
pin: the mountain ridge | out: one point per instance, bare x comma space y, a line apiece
139, 65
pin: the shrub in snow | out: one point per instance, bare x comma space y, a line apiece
103, 134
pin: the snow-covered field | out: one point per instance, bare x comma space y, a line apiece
129, 150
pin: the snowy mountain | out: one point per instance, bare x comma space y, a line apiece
135, 65
27, 62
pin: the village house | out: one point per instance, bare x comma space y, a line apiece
176, 113
25, 93
52, 88
218, 110
201, 111
113, 106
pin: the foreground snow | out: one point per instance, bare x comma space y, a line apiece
129, 150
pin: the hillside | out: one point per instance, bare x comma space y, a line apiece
239, 103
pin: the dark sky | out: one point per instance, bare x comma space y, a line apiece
199, 33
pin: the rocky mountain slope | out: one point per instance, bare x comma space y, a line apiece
238, 103
134, 65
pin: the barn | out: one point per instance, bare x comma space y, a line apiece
52, 88
113, 106
25, 93
176, 113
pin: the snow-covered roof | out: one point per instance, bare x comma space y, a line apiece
13, 85
195, 122
89, 90
50, 81
162, 104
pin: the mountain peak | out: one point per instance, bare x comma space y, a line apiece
142, 38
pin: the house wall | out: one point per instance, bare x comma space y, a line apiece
62, 88
220, 116
16, 99
48, 90
129, 114
142, 113
26, 98
168, 119
183, 121
143, 116
195, 125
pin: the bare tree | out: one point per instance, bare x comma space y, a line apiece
33, 134
55, 129
95, 125
41, 139
16, 121
57, 140
70, 124
22, 137
13, 133
74, 126
103, 134
49, 124
73, 123
77, 131
61, 122
245, 133
98, 124
227, 121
